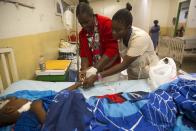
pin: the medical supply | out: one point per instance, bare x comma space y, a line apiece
91, 71
42, 64
3, 103
64, 44
25, 107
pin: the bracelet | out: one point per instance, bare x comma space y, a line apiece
99, 77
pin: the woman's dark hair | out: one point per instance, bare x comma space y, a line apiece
124, 16
85, 1
84, 8
156, 22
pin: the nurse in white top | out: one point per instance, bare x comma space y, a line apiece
135, 46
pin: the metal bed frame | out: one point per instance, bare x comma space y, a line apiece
7, 59
174, 48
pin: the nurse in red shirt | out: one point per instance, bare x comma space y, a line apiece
98, 49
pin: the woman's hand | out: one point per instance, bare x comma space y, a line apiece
82, 75
87, 73
89, 82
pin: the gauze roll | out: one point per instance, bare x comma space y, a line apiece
91, 71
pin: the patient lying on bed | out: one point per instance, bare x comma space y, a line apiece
11, 108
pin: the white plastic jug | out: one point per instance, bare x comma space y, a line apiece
163, 72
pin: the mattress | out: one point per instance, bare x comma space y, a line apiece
98, 90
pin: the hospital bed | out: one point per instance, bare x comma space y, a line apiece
8, 63
177, 48
125, 88
13, 84
100, 89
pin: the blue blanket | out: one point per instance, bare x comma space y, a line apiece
68, 112
30, 95
168, 108
171, 107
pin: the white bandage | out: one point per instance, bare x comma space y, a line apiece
3, 103
25, 107
91, 71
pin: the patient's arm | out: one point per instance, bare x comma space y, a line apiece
75, 86
9, 112
37, 108
89, 82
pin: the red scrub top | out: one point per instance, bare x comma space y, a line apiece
108, 46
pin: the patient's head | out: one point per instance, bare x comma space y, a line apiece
122, 22
9, 110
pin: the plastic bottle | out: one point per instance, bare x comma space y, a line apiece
42, 65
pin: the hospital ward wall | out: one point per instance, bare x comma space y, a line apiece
141, 10
31, 33
164, 11
191, 23
144, 12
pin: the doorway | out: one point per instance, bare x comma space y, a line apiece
182, 17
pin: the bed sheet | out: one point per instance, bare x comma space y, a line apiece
117, 87
98, 90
